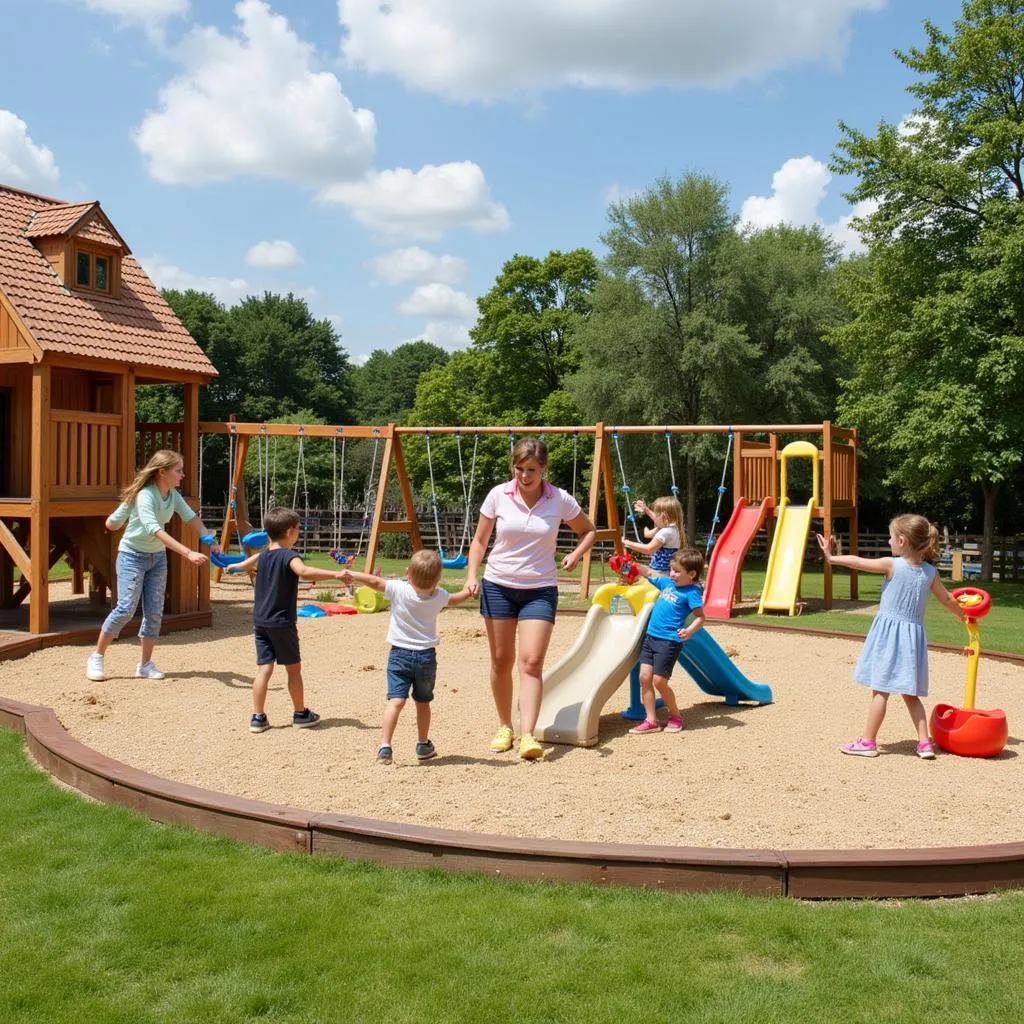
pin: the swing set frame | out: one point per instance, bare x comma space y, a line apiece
755, 475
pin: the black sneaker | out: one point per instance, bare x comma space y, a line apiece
425, 751
305, 718
258, 723
384, 755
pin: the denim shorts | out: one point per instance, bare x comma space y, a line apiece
141, 576
660, 654
277, 643
499, 602
412, 670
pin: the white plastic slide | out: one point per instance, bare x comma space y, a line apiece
608, 645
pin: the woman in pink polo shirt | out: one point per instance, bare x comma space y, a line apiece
519, 591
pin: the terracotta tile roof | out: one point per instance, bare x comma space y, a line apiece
138, 328
94, 229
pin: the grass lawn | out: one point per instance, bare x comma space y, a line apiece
110, 918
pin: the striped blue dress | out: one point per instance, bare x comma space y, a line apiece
895, 654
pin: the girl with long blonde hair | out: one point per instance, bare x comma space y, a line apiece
666, 537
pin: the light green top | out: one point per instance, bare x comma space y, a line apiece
148, 513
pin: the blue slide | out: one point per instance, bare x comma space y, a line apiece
714, 672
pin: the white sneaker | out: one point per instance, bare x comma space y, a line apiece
148, 670
94, 668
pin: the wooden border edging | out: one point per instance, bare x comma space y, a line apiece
806, 874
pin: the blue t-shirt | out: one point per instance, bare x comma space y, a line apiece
672, 608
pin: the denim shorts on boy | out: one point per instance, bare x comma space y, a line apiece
412, 670
277, 643
500, 602
660, 654
140, 576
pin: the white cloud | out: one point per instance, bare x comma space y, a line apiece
166, 275
152, 15
273, 254
465, 49
449, 334
415, 264
438, 300
616, 193
799, 187
422, 204
252, 103
24, 163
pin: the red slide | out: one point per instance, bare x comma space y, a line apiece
727, 556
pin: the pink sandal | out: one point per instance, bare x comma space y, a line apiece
674, 723
645, 727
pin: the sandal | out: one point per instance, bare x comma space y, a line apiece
674, 723
645, 726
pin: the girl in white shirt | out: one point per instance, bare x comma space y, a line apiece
666, 537
519, 593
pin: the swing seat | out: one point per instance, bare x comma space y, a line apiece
222, 561
311, 611
255, 540
455, 562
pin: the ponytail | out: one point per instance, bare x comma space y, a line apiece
922, 537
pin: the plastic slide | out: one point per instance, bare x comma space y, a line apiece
714, 672
727, 556
786, 561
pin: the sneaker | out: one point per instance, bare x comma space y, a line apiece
94, 668
861, 748
258, 723
148, 670
305, 718
529, 748
425, 751
503, 740
647, 726
384, 754
674, 723
925, 750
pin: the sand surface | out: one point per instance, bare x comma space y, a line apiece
763, 777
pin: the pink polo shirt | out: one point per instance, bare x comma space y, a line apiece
523, 555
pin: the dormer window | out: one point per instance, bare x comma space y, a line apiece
92, 271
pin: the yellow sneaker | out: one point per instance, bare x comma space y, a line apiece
502, 740
529, 748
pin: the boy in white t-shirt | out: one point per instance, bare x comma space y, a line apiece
412, 633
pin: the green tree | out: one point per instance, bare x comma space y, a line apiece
658, 346
937, 335
526, 320
386, 384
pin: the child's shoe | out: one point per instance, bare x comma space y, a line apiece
647, 726
425, 751
503, 740
861, 748
304, 719
94, 668
674, 723
148, 670
529, 748
258, 723
384, 754
925, 750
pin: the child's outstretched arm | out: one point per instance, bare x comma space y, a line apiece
457, 598
644, 549
880, 565
310, 572
245, 565
947, 599
365, 578
696, 623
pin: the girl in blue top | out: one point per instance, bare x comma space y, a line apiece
895, 654
147, 505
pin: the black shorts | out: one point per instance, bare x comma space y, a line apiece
660, 654
277, 643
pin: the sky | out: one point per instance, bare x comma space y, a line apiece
384, 159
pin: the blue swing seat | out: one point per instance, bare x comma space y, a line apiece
256, 540
455, 562
222, 561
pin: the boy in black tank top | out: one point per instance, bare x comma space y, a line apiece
274, 615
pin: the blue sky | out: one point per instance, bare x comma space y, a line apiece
384, 159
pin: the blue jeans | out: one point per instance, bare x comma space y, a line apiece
412, 670
139, 575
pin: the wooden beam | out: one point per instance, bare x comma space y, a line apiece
39, 608
388, 433
15, 550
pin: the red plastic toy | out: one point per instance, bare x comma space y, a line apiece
625, 567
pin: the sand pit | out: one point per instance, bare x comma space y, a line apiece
764, 777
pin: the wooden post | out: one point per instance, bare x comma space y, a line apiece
192, 577
601, 479
392, 453
77, 560
826, 500
854, 543
237, 484
39, 600
738, 491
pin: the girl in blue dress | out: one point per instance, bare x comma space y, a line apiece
895, 654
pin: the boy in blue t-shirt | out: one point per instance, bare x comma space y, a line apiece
666, 633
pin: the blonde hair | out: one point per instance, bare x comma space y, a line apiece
670, 508
530, 448
163, 459
921, 536
425, 569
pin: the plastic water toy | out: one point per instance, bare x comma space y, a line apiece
625, 567
970, 731
311, 611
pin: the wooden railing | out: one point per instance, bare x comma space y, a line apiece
85, 454
152, 437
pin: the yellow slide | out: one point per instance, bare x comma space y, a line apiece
786, 559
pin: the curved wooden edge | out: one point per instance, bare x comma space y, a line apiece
805, 874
